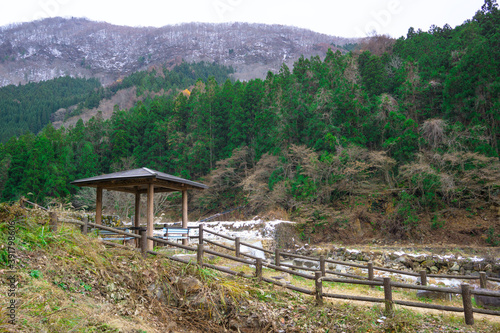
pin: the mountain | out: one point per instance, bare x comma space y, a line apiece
55, 47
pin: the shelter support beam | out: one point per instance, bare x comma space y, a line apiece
137, 212
184, 213
150, 215
98, 206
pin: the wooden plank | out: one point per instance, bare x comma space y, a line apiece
428, 288
219, 244
281, 269
288, 286
355, 298
230, 257
219, 235
298, 267
460, 277
390, 270
256, 247
486, 311
118, 231
227, 270
429, 306
119, 245
362, 282
353, 276
485, 292
163, 241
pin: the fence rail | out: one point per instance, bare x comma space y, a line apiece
319, 274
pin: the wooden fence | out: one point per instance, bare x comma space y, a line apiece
317, 275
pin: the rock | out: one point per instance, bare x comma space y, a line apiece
434, 269
455, 267
434, 295
157, 292
428, 263
189, 285
488, 302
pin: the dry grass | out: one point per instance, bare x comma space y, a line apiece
72, 283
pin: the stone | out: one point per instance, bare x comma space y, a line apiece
189, 285
428, 263
488, 302
455, 267
157, 292
434, 269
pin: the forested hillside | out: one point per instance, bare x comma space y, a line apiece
27, 108
30, 107
407, 131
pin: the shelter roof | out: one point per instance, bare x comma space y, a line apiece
137, 180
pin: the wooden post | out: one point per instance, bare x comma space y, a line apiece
423, 277
483, 280
319, 288
370, 273
184, 213
277, 257
322, 266
137, 215
53, 222
258, 269
85, 227
144, 241
98, 206
466, 299
237, 247
150, 215
388, 296
200, 234
199, 255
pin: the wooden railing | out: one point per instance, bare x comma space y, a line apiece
319, 275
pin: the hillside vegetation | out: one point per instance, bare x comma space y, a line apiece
394, 137
66, 282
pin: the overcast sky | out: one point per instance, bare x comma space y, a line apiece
356, 18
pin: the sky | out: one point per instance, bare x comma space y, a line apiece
358, 18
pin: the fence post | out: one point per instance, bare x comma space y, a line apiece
237, 247
389, 306
277, 257
466, 299
322, 266
423, 278
85, 226
200, 234
258, 269
199, 255
319, 288
370, 272
53, 221
483, 280
144, 241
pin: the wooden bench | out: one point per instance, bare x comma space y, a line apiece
173, 233
107, 235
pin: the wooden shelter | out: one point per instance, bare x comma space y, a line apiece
139, 181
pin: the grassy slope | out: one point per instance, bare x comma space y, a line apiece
71, 283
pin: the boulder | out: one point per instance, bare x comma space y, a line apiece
488, 302
189, 285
